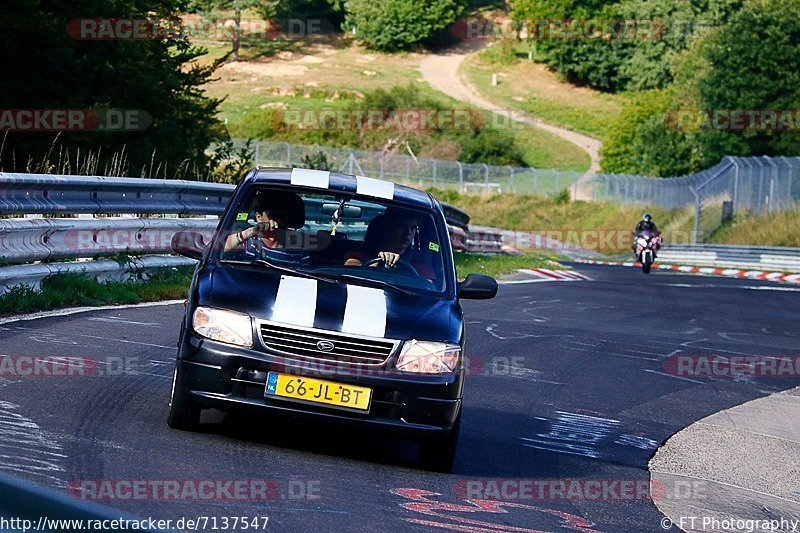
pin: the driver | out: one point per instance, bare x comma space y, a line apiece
388, 237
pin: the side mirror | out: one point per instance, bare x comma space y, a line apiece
477, 287
188, 243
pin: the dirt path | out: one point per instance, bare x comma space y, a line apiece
441, 71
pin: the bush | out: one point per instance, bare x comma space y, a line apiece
391, 25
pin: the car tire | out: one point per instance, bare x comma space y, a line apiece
183, 414
439, 454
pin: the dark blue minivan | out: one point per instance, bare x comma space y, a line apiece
332, 297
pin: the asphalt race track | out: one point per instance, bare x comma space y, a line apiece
567, 380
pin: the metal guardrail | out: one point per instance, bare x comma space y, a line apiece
769, 258
56, 194
40, 241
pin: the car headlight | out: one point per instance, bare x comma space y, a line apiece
224, 326
425, 357
642, 241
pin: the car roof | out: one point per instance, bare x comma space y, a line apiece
338, 182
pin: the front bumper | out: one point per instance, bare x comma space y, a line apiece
230, 378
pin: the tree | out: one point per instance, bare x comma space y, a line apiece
754, 65
264, 7
155, 76
392, 25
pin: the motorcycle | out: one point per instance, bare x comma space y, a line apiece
646, 244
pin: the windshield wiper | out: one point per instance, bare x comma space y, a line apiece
272, 266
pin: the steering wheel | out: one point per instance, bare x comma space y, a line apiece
401, 266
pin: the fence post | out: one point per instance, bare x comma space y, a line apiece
486, 176
735, 198
350, 163
433, 169
511, 177
696, 214
382, 159
256, 154
460, 176
288, 155
773, 175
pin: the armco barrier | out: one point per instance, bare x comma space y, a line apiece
32, 240
56, 194
48, 239
769, 258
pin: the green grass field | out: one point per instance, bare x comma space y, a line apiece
329, 73
530, 87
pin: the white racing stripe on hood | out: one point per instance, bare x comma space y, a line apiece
311, 178
374, 187
365, 312
296, 302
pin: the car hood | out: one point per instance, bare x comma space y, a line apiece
339, 307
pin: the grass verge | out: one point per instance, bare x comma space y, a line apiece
498, 265
774, 229
70, 290
601, 226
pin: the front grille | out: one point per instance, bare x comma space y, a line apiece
294, 342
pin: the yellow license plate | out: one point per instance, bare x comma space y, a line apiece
318, 391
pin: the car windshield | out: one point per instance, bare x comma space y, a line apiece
338, 237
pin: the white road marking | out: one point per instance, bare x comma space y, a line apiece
672, 376
76, 310
131, 342
120, 320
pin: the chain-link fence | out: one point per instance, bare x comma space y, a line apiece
754, 185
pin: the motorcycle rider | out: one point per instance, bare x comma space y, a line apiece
647, 224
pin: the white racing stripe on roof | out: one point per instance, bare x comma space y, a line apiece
374, 187
311, 178
365, 312
296, 302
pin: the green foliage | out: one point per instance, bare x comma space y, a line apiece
391, 25
45, 68
317, 161
563, 197
754, 65
635, 53
751, 63
493, 147
466, 129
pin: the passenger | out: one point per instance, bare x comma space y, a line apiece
273, 211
